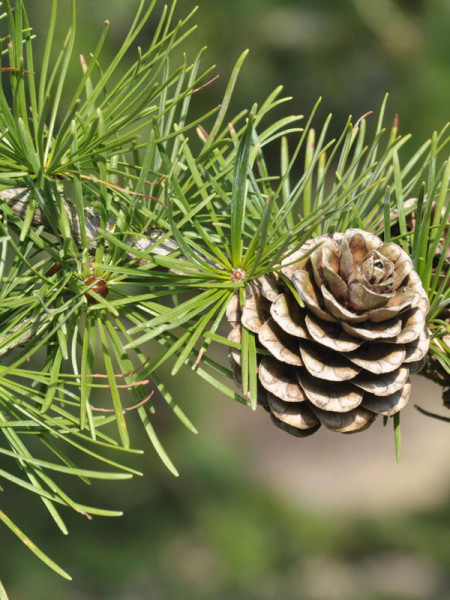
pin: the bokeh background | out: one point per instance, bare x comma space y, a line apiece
256, 514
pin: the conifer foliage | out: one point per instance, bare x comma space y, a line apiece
130, 231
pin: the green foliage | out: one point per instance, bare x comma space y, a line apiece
113, 189
88, 149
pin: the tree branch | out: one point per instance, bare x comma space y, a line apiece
17, 199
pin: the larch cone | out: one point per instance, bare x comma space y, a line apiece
345, 356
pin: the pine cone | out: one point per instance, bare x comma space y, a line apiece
346, 355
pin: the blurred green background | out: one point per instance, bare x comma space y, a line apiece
255, 514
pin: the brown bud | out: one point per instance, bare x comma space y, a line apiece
99, 286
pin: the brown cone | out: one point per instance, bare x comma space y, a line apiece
344, 357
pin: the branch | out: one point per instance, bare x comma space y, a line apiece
17, 199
